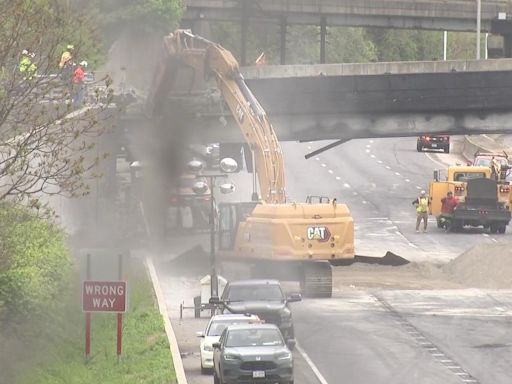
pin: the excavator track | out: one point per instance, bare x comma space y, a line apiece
316, 279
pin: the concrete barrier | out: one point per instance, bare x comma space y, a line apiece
475, 143
175, 351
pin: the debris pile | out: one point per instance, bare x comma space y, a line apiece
483, 266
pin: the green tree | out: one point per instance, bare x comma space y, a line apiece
37, 154
34, 263
116, 17
349, 45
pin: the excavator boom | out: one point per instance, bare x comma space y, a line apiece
213, 60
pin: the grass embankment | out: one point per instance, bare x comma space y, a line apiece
146, 354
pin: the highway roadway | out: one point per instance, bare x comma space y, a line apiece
378, 179
378, 333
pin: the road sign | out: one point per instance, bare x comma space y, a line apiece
104, 296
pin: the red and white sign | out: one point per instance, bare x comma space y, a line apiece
104, 296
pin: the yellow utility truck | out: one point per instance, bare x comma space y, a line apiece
482, 200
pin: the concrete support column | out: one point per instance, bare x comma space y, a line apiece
507, 45
323, 33
243, 35
282, 46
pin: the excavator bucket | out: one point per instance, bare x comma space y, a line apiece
390, 259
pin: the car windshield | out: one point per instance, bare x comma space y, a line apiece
254, 338
217, 327
255, 292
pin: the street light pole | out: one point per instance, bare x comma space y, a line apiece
227, 165
478, 26
214, 281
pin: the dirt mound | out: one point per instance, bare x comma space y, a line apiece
483, 266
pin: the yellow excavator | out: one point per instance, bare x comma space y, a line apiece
280, 239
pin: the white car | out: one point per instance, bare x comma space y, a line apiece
212, 333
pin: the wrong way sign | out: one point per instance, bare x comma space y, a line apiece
104, 296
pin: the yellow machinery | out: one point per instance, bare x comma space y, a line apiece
456, 182
304, 237
483, 200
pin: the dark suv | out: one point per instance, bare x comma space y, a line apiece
263, 298
433, 142
252, 353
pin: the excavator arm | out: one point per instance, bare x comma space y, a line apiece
213, 60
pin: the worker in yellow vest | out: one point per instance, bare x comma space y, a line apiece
422, 203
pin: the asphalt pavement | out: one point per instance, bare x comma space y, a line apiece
441, 337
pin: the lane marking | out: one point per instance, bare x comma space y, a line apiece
368, 145
309, 148
367, 151
364, 202
330, 171
388, 167
407, 180
317, 158
379, 161
485, 234
418, 187
371, 141
372, 156
446, 361
323, 165
338, 178
434, 160
346, 185
312, 365
354, 193
397, 173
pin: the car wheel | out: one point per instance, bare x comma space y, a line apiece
502, 229
494, 228
419, 147
446, 149
204, 371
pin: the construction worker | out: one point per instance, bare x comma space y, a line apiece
78, 83
422, 203
66, 65
67, 57
26, 67
448, 205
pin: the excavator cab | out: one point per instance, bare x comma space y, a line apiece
230, 216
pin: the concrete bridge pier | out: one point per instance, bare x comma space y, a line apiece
282, 45
323, 34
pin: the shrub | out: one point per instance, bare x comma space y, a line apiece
34, 263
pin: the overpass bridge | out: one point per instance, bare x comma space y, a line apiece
346, 101
444, 15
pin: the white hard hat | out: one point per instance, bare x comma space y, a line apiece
423, 193
83, 63
24, 52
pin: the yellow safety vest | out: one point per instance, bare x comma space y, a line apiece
422, 205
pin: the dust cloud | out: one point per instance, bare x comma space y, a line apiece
125, 209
